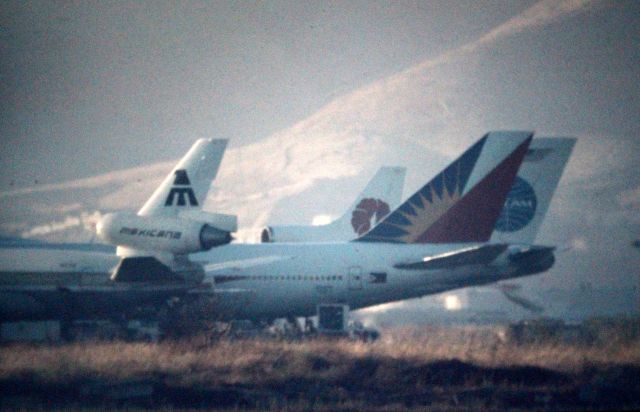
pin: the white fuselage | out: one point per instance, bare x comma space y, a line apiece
48, 265
250, 281
278, 280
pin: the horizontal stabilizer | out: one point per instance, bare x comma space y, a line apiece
534, 252
532, 259
143, 269
522, 301
475, 255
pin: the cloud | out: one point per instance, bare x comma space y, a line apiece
52, 227
60, 208
84, 221
541, 13
388, 106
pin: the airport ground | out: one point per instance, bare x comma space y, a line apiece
542, 365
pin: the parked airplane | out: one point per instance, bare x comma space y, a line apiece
300, 276
41, 280
380, 196
435, 241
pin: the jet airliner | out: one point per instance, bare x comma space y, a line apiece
434, 241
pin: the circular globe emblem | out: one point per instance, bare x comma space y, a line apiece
519, 208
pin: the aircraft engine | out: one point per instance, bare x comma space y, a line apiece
160, 234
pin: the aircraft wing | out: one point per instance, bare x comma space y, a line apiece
474, 255
143, 269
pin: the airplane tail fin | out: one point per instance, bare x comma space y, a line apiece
381, 195
186, 187
463, 202
529, 198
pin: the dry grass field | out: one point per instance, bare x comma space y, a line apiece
596, 366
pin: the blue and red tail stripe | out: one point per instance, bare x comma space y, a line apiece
445, 211
473, 217
449, 183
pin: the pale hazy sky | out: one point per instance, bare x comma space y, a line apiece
82, 81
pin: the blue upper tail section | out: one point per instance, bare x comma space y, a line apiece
443, 190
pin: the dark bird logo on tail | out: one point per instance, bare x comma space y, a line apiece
367, 209
181, 192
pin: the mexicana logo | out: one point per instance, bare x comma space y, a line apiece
181, 191
519, 208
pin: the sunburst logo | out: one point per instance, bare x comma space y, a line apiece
424, 209
410, 222
367, 210
431, 208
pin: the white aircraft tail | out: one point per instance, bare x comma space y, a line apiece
529, 198
186, 187
171, 224
381, 195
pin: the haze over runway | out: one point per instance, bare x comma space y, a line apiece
98, 100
